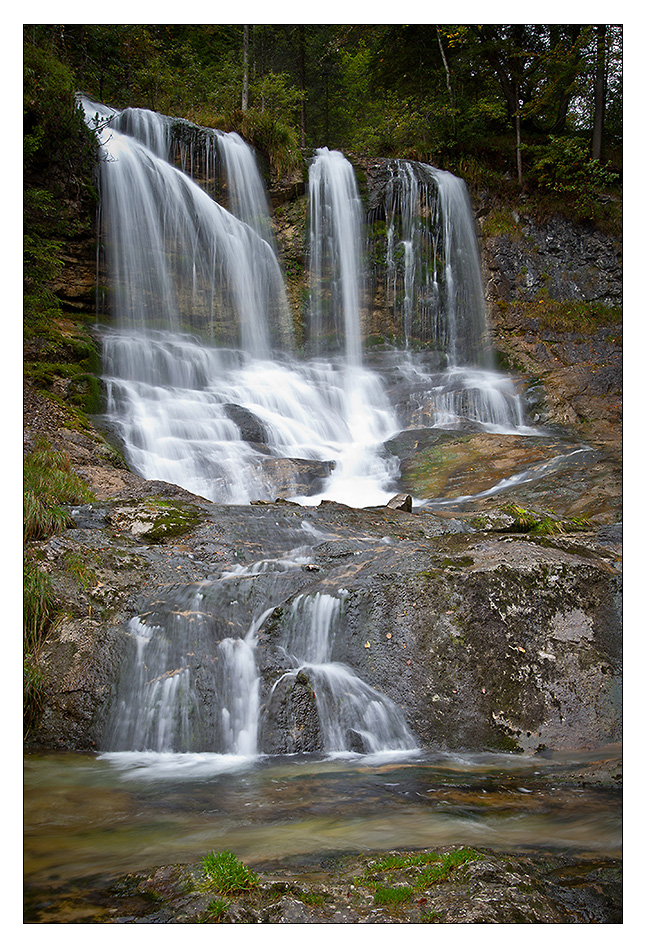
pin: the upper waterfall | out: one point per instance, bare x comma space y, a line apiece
202, 384
335, 253
432, 278
178, 260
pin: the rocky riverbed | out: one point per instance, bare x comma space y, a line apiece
461, 886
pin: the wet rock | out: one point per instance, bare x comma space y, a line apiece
484, 639
290, 719
251, 427
490, 888
294, 476
400, 502
557, 259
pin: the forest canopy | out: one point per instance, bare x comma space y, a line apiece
538, 106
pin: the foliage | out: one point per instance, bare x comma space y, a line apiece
226, 874
438, 93
563, 167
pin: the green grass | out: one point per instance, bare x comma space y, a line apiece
217, 909
525, 521
392, 895
48, 483
39, 611
225, 873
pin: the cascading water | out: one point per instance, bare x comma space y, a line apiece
191, 683
205, 392
433, 290
222, 422
352, 715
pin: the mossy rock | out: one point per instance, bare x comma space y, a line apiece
155, 519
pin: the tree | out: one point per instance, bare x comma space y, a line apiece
599, 96
245, 95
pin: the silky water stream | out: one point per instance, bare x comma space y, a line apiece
205, 390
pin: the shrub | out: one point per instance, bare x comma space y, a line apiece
564, 168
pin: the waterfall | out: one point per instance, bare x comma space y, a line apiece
191, 681
335, 249
205, 391
246, 194
433, 273
353, 716
178, 260
464, 303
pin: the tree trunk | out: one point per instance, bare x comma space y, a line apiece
245, 96
599, 92
517, 125
302, 82
448, 80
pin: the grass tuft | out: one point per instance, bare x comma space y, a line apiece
226, 874
396, 878
48, 483
217, 909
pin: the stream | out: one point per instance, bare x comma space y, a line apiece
89, 816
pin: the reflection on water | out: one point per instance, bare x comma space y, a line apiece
123, 812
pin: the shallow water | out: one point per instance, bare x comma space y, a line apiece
115, 813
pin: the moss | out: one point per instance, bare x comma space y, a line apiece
570, 315
502, 221
170, 519
525, 521
396, 878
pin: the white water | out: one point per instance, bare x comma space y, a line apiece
335, 248
433, 275
352, 715
201, 327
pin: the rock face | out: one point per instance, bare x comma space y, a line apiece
556, 259
483, 639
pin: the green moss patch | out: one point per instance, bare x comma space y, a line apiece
395, 879
155, 519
